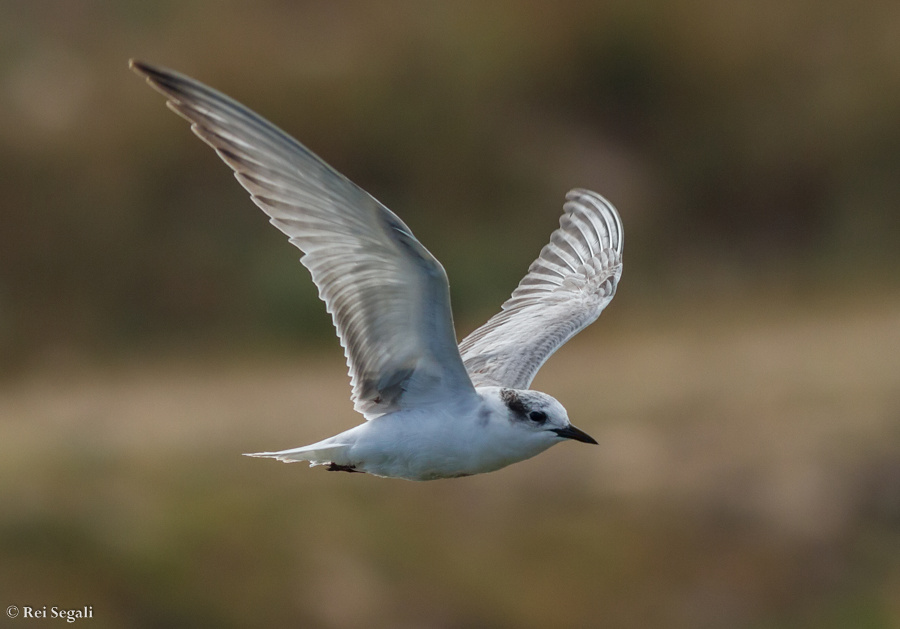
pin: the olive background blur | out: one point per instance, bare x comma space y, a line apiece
744, 384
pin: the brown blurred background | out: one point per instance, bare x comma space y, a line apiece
744, 385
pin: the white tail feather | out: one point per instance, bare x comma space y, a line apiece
316, 454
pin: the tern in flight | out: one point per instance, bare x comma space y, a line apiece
433, 409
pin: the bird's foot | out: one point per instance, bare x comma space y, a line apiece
334, 467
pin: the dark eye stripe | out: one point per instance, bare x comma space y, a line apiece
537, 416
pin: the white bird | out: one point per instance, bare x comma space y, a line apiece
433, 410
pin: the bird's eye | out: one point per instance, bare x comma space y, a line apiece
537, 416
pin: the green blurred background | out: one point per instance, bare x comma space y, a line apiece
744, 385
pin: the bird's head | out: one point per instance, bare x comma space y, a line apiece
541, 415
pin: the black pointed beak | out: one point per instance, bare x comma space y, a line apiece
570, 432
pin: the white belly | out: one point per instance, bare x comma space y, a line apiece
432, 447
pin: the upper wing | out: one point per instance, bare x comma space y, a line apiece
387, 295
565, 290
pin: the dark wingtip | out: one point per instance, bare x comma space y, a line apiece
138, 66
162, 80
145, 69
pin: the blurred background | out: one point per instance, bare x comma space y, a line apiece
744, 385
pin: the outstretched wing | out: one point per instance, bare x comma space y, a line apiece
565, 290
387, 295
